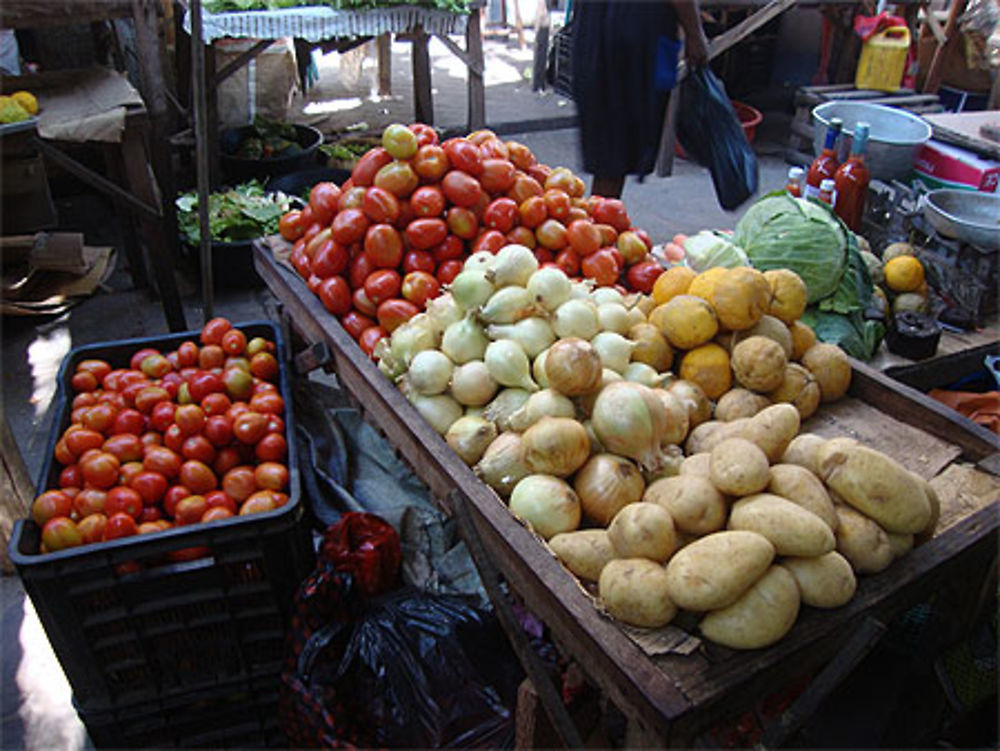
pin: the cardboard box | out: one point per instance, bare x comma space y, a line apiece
941, 165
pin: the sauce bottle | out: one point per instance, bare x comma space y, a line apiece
827, 192
826, 164
796, 179
851, 181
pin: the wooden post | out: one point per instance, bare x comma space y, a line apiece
383, 45
934, 73
202, 156
477, 90
16, 489
423, 104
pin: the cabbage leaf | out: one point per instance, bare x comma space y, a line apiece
708, 249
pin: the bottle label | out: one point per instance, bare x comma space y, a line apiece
812, 192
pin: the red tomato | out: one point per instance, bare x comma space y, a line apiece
361, 266
149, 396
100, 417
249, 427
239, 483
431, 163
268, 402
370, 337
80, 440
220, 499
197, 477
428, 202
331, 259
72, 477
83, 382
351, 198
552, 235
50, 504
189, 510
398, 178
602, 267
271, 476
419, 260
271, 448
190, 418
349, 226
199, 448
173, 438
163, 460
84, 400
419, 287
335, 294
491, 240
384, 246
143, 353
612, 211
394, 313
399, 141
448, 270
290, 225
498, 175
382, 285
218, 431
520, 155
215, 404
172, 497
126, 447
211, 332
461, 188
462, 222
381, 206
225, 460
522, 236
258, 503
463, 155
533, 211
323, 200
100, 368
239, 382
204, 384
89, 501
543, 256
569, 261
91, 528
370, 163
362, 303
524, 187
493, 148
317, 241
406, 215
122, 500
426, 135
354, 323
646, 239
451, 248
576, 214
216, 514
501, 214
631, 246
60, 533
583, 236
275, 424
118, 526
424, 234
211, 356
151, 514
151, 438
643, 275
100, 470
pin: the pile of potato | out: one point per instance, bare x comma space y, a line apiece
758, 521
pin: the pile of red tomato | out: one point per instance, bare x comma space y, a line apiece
177, 438
378, 247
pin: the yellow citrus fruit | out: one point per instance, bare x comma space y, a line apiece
803, 337
740, 297
701, 285
708, 367
788, 294
11, 111
904, 274
672, 282
27, 101
686, 321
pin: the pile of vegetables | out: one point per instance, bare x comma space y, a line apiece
268, 139
245, 212
563, 398
378, 248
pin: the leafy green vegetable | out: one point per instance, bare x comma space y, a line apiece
781, 231
854, 334
708, 249
244, 213
855, 289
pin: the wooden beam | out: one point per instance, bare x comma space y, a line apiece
423, 103
472, 65
242, 59
476, 88
202, 157
383, 45
936, 70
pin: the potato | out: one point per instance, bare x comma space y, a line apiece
761, 616
875, 484
831, 369
767, 326
634, 590
678, 423
759, 363
802, 451
790, 528
691, 396
935, 503
798, 388
738, 467
697, 464
899, 544
826, 581
802, 487
585, 552
700, 436
772, 429
643, 530
862, 542
714, 571
695, 504
737, 403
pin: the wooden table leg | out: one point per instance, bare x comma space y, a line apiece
477, 90
383, 45
423, 104
115, 166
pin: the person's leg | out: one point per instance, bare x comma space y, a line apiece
608, 187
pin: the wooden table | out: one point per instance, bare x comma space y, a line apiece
671, 699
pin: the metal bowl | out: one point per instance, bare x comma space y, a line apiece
893, 142
969, 216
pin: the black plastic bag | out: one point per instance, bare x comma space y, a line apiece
710, 132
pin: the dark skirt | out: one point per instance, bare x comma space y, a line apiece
613, 60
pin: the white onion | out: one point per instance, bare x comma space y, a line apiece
504, 405
573, 366
469, 437
678, 423
630, 420
671, 458
635, 315
439, 410
430, 372
471, 288
509, 365
501, 466
555, 446
547, 503
472, 384
549, 288
507, 305
576, 318
538, 369
614, 349
603, 295
416, 335
544, 403
533, 334
613, 317
605, 485
640, 372
595, 443
579, 289
585, 402
443, 311
475, 412
513, 265
481, 260
463, 341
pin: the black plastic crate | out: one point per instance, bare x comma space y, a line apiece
138, 645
